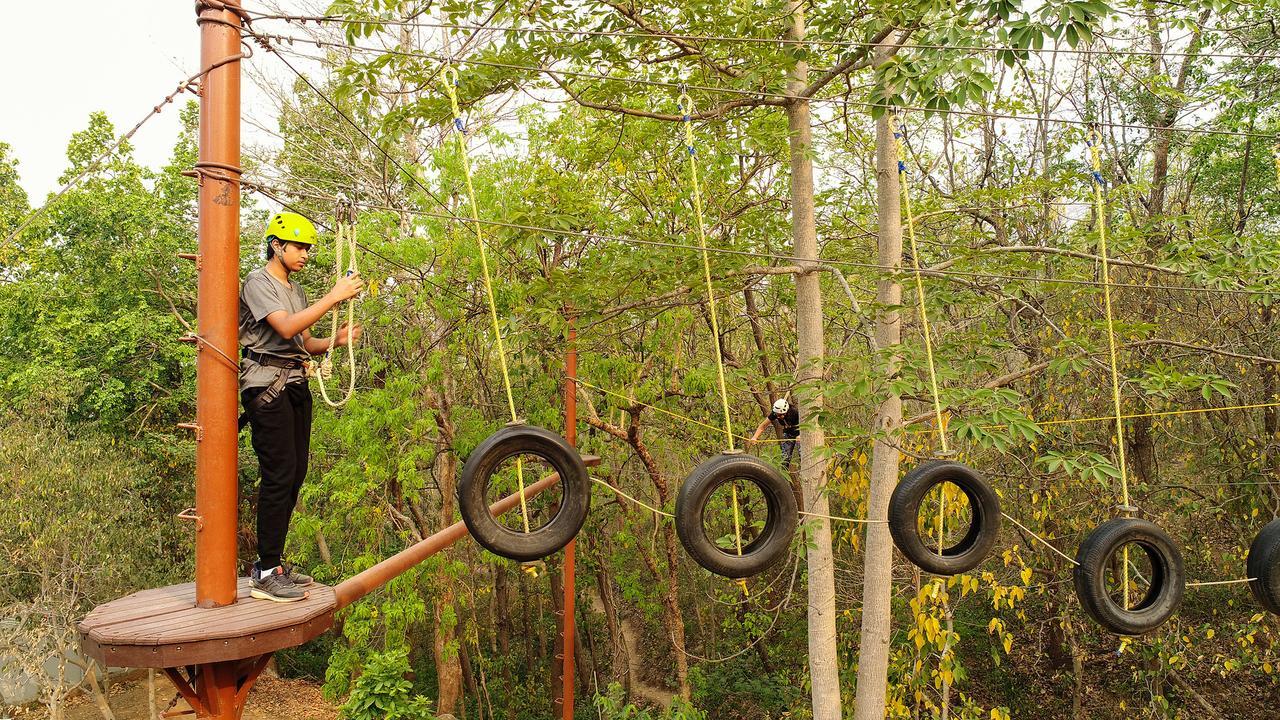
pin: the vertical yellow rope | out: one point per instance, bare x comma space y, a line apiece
898, 135
686, 110
915, 264
450, 83
1095, 160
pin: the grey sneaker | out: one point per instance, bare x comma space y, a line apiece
298, 577
276, 587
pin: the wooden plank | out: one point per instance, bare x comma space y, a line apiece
206, 651
190, 626
165, 624
243, 618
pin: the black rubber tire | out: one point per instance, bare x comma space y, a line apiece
1263, 566
575, 495
1168, 578
774, 540
904, 510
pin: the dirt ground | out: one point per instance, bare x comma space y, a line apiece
271, 699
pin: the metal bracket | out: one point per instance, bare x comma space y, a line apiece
190, 514
1128, 509
194, 427
193, 257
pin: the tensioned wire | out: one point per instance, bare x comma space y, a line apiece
838, 518
590, 235
765, 97
731, 39
449, 215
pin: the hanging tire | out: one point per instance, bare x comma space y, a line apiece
774, 540
904, 511
1263, 566
1168, 579
473, 501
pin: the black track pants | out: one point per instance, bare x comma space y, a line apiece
281, 432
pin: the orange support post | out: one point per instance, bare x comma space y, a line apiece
217, 307
567, 618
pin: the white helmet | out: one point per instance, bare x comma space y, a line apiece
781, 406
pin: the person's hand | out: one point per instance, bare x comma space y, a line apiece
347, 287
348, 335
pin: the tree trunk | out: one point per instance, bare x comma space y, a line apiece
873, 654
824, 669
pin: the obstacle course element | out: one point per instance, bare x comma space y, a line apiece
774, 539
1263, 567
515, 441
904, 511
1096, 557
904, 504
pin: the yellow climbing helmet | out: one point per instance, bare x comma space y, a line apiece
290, 227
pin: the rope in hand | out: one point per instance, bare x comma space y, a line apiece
450, 76
686, 112
1093, 142
899, 134
344, 248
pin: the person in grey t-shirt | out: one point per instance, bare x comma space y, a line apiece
276, 343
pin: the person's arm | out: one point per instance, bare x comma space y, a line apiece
289, 325
760, 429
320, 346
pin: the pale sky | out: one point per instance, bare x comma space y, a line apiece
64, 59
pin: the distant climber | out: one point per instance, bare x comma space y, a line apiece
788, 419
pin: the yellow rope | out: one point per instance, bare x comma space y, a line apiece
450, 76
898, 135
915, 263
686, 109
1101, 206
344, 246
1095, 160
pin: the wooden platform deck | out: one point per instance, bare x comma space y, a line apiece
163, 628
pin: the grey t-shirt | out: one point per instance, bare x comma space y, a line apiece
260, 295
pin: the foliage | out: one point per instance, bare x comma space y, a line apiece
383, 693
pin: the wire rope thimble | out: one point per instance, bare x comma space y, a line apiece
686, 116
450, 75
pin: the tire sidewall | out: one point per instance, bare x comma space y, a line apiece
1094, 556
904, 510
775, 539
488, 456
1263, 566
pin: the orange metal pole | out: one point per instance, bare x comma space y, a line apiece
570, 434
354, 588
217, 307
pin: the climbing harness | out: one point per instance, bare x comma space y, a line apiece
517, 439
344, 248
1094, 558
732, 465
904, 503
